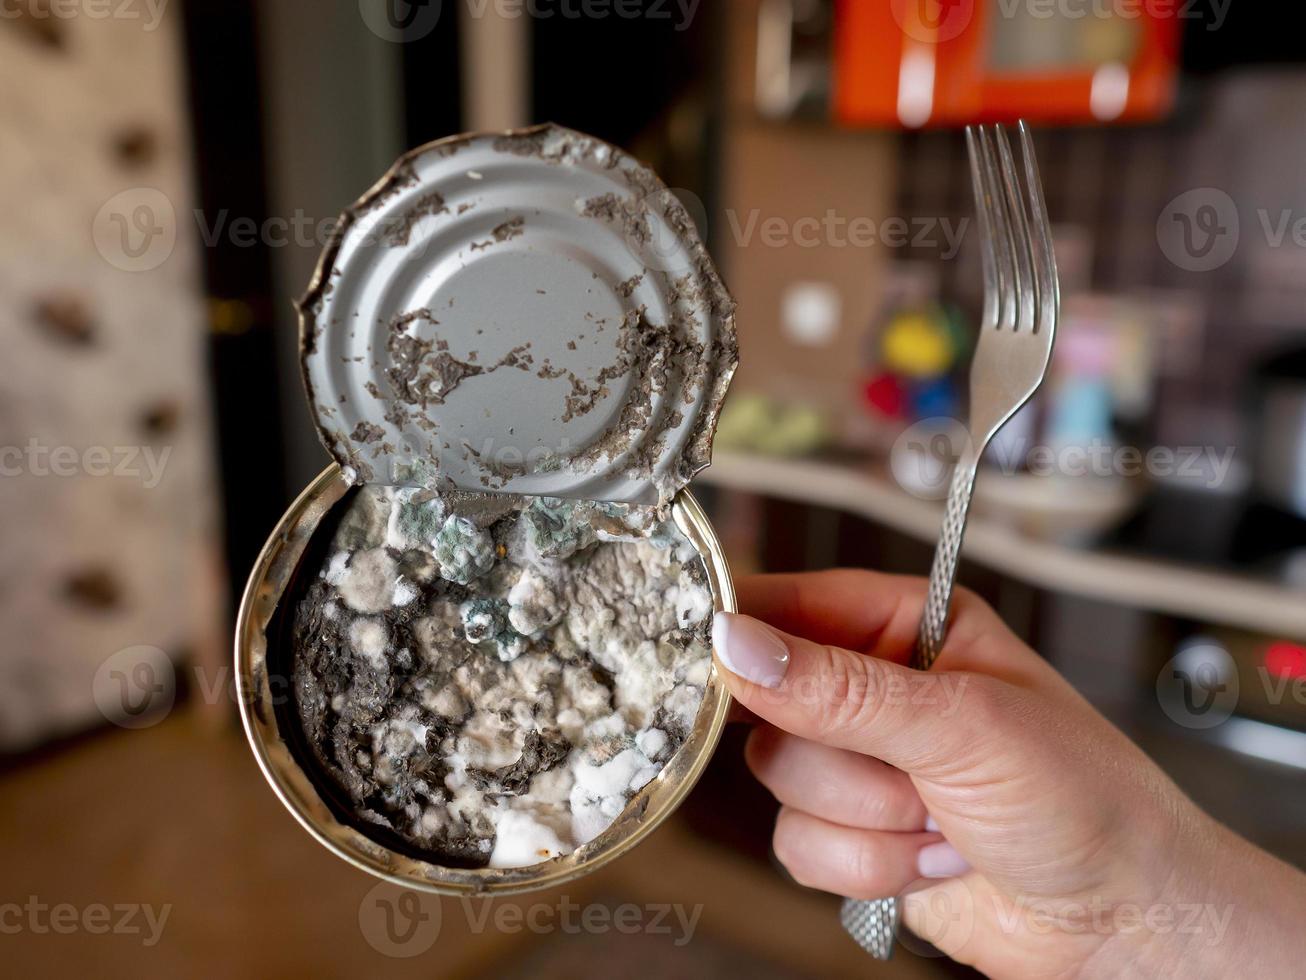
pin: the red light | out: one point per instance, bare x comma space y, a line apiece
1284, 659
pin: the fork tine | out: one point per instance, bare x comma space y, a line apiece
984, 219
1019, 225
1045, 260
1008, 277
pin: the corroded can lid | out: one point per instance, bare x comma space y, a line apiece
526, 312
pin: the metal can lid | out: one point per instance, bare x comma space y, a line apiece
526, 312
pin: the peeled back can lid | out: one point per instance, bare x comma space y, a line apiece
527, 312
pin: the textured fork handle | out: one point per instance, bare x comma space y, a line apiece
943, 571
873, 923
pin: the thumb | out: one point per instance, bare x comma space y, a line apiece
911, 719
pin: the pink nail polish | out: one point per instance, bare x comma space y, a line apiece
750, 649
941, 860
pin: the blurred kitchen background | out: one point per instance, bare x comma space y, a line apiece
168, 174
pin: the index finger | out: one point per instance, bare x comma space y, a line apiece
879, 614
911, 719
869, 612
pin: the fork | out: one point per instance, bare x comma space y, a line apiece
1022, 304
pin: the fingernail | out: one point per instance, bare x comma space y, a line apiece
941, 860
749, 649
931, 824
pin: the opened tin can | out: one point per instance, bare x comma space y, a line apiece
474, 656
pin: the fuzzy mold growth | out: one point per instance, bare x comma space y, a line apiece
493, 679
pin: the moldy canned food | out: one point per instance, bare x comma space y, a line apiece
475, 655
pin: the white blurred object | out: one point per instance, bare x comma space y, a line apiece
810, 312
95, 567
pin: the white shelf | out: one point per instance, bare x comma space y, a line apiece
1159, 586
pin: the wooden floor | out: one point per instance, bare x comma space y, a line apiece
178, 815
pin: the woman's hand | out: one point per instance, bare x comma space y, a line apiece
1024, 834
